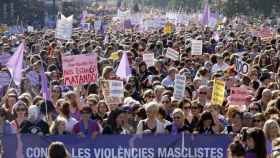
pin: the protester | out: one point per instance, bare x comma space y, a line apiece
58, 150
20, 112
86, 126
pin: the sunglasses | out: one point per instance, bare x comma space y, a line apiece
176, 117
21, 109
165, 102
149, 96
257, 121
203, 93
85, 112
186, 107
194, 108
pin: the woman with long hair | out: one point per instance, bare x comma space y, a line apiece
255, 141
206, 124
272, 131
58, 127
72, 98
20, 111
58, 150
151, 124
65, 114
9, 100
56, 93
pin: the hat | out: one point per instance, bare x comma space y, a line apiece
86, 109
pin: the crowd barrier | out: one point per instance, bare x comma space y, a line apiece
121, 146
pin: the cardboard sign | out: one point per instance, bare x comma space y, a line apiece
79, 69
265, 34
238, 95
218, 92
117, 89
196, 47
168, 28
106, 86
64, 28
172, 54
148, 59
179, 87
241, 66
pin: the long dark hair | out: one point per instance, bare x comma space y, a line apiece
205, 116
259, 139
259, 93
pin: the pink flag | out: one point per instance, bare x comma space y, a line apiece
124, 71
14, 64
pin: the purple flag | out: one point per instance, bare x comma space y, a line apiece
14, 64
206, 14
44, 84
83, 16
124, 71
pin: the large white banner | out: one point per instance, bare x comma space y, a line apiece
64, 27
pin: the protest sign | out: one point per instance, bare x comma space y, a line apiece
179, 87
79, 69
126, 146
168, 28
241, 66
172, 54
64, 28
85, 26
265, 34
218, 92
110, 96
196, 47
117, 89
238, 95
4, 79
148, 58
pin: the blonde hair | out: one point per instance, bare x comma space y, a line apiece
55, 124
178, 111
154, 106
270, 124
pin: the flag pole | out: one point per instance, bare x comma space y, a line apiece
45, 99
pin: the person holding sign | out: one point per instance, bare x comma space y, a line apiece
220, 65
168, 81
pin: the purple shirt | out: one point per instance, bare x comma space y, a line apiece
92, 127
76, 115
250, 154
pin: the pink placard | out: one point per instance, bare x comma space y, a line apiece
79, 69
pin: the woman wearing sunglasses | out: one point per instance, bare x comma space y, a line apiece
20, 112
178, 124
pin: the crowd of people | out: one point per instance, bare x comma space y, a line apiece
148, 106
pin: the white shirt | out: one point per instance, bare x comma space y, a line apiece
219, 67
70, 123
